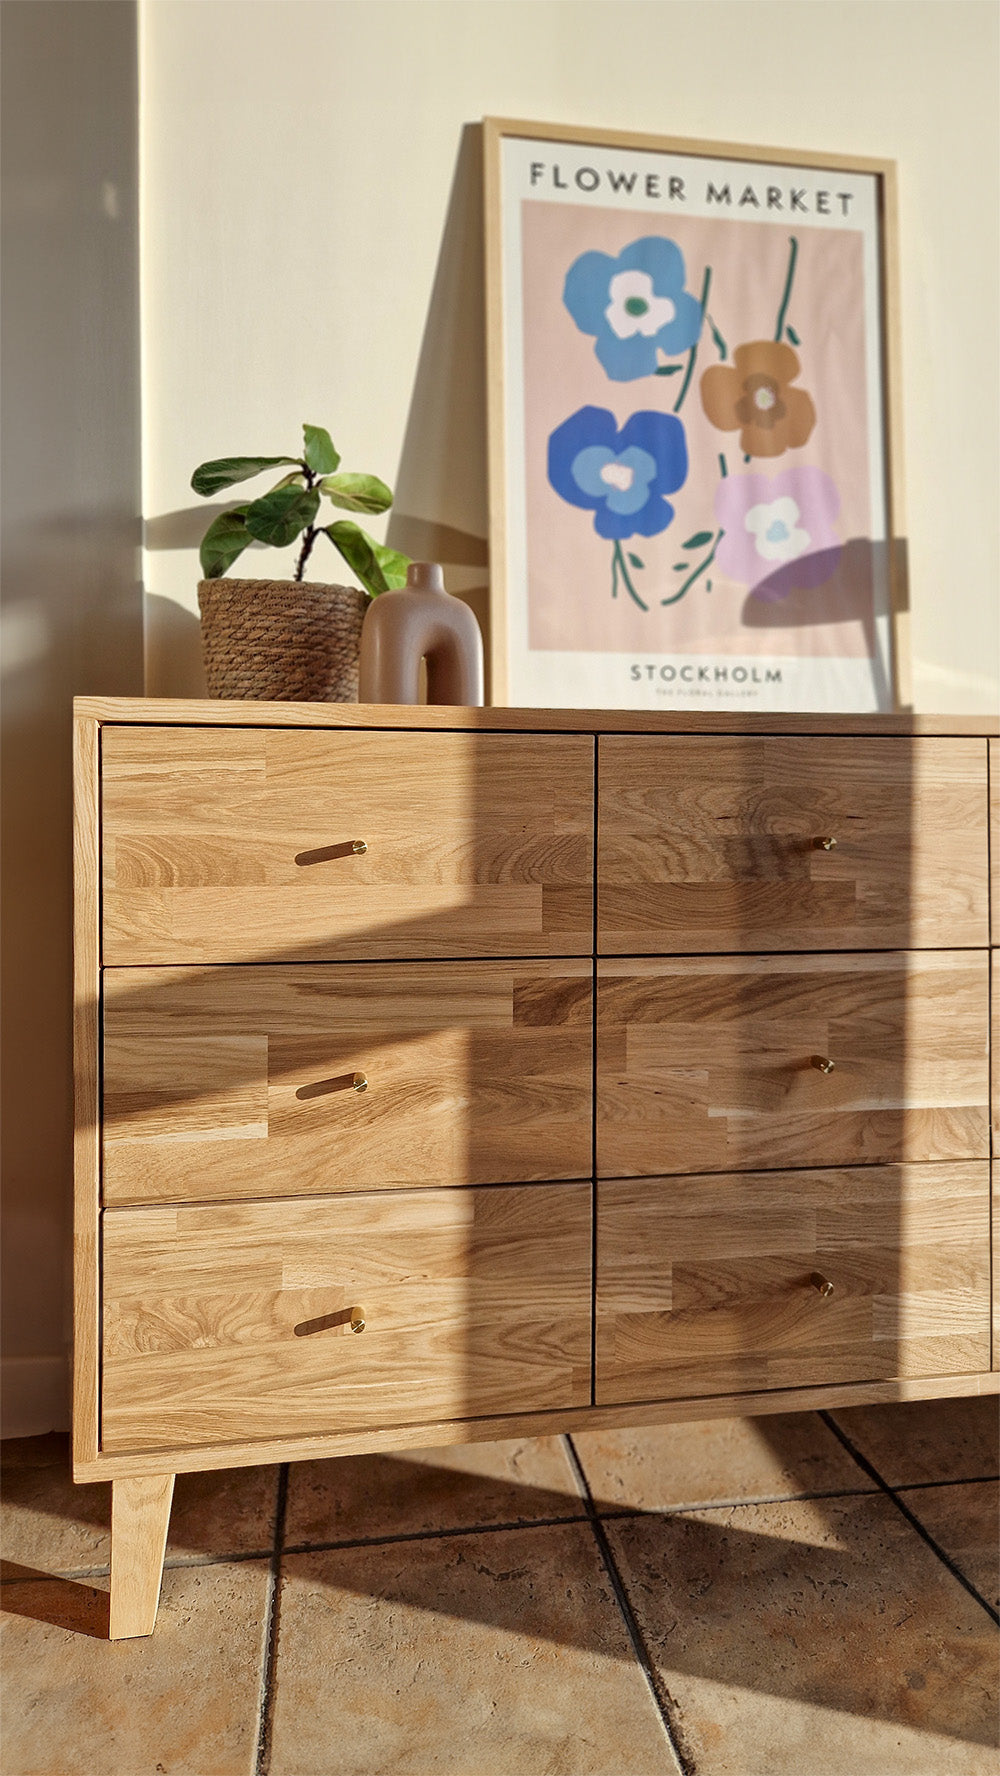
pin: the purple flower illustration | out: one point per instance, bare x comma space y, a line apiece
620, 476
634, 305
778, 530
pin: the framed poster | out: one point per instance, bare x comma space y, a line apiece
694, 471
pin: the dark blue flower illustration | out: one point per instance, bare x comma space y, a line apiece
621, 476
635, 305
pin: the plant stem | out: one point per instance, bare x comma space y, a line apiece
310, 533
793, 255
689, 582
706, 282
618, 566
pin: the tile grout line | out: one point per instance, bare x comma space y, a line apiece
904, 1511
635, 1634
265, 1714
618, 1513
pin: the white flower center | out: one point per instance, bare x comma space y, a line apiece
634, 306
619, 475
775, 528
764, 399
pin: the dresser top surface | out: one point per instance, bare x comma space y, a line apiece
157, 711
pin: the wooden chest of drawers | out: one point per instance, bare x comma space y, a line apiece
457, 1074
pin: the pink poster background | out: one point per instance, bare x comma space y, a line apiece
569, 565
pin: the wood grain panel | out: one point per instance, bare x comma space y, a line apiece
236, 845
228, 1082
994, 758
86, 1087
174, 712
230, 1322
706, 1064
712, 844
709, 1285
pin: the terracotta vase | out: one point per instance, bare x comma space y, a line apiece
281, 640
419, 622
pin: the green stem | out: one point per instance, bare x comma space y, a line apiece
618, 566
689, 582
789, 279
693, 353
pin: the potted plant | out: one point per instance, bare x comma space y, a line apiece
290, 639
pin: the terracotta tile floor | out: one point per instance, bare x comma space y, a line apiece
791, 1596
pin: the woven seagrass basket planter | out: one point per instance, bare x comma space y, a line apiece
281, 640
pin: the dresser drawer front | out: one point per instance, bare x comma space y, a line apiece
709, 844
237, 844
706, 1064
232, 1322
750, 1281
238, 1082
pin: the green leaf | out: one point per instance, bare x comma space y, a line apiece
793, 336
680, 567
379, 568
226, 537
668, 370
698, 541
279, 516
319, 452
393, 565
212, 477
634, 559
358, 551
357, 493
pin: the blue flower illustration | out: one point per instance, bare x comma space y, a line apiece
621, 476
635, 305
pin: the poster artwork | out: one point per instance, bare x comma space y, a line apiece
696, 506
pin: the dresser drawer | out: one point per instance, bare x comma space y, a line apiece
234, 1321
729, 844
239, 1082
750, 1281
709, 1063
222, 845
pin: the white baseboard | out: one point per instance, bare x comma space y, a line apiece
34, 1396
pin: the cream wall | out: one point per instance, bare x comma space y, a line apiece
72, 604
311, 242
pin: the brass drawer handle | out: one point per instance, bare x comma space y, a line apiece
824, 844
357, 1319
359, 847
822, 1063
360, 1082
821, 1284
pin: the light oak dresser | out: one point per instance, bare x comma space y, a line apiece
451, 1074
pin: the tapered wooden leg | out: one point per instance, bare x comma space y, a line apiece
140, 1513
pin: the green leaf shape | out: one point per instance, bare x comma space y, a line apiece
320, 454
379, 569
226, 537
668, 370
698, 541
635, 560
791, 334
212, 477
357, 493
279, 516
680, 567
393, 565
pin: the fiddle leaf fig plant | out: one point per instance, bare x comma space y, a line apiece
290, 510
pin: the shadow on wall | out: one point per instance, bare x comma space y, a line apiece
440, 511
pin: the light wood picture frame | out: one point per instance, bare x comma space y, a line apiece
694, 429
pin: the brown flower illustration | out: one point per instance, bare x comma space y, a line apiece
754, 394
